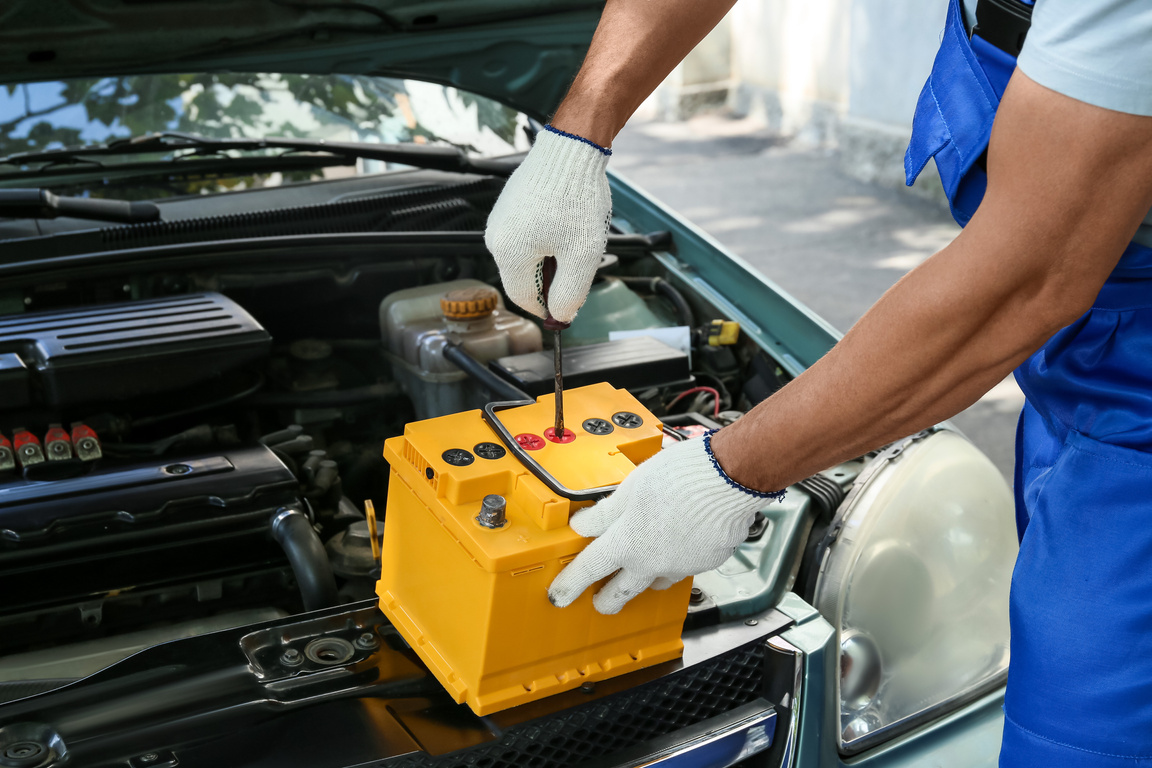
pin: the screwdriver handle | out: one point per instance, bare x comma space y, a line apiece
548, 273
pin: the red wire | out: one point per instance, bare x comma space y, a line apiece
694, 390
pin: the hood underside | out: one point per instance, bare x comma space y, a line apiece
520, 52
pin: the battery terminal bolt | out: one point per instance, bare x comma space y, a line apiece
493, 511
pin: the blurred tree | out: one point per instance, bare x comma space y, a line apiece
493, 114
217, 105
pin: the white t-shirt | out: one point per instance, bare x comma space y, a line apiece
1096, 51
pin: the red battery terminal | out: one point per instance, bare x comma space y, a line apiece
86, 442
27, 447
57, 443
7, 456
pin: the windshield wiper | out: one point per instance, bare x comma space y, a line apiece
42, 204
432, 157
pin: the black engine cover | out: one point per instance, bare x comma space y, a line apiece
120, 351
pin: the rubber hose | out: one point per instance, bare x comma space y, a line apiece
293, 532
458, 356
659, 285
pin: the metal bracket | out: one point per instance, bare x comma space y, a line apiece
490, 410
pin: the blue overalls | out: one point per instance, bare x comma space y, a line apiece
1080, 682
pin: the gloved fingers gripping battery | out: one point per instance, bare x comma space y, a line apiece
675, 515
598, 561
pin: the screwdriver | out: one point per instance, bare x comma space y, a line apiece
554, 325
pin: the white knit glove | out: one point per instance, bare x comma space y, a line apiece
676, 515
557, 203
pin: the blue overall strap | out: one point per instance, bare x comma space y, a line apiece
954, 114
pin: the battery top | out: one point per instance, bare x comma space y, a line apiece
453, 462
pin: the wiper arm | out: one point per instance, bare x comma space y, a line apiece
433, 157
42, 204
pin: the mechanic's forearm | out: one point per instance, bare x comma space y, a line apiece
636, 45
934, 344
1057, 214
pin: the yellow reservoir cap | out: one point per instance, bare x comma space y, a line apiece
469, 303
472, 600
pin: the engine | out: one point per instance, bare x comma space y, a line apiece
161, 510
174, 465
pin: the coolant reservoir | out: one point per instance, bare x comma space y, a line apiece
417, 323
611, 306
477, 528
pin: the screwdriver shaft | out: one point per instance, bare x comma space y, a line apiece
547, 272
557, 356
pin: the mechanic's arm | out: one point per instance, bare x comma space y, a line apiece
636, 45
557, 203
1068, 184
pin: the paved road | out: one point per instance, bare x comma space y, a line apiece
833, 242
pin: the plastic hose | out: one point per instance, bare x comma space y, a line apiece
458, 356
293, 532
659, 285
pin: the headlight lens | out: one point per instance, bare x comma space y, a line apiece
916, 585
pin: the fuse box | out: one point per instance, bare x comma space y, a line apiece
476, 529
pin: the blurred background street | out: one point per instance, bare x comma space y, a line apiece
789, 208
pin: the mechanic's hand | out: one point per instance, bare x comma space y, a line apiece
557, 203
676, 515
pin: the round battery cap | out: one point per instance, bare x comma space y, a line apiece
458, 457
598, 426
567, 437
491, 451
627, 420
530, 442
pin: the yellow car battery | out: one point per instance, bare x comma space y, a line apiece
476, 529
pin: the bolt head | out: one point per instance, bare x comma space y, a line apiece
493, 511
367, 641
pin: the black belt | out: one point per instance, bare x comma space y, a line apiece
1003, 23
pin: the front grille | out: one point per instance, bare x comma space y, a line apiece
603, 727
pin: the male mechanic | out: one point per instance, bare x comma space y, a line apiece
1051, 276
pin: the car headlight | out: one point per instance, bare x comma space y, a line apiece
916, 584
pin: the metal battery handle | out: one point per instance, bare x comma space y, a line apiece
509, 440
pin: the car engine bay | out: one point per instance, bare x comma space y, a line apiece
192, 425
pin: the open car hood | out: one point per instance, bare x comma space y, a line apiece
520, 52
